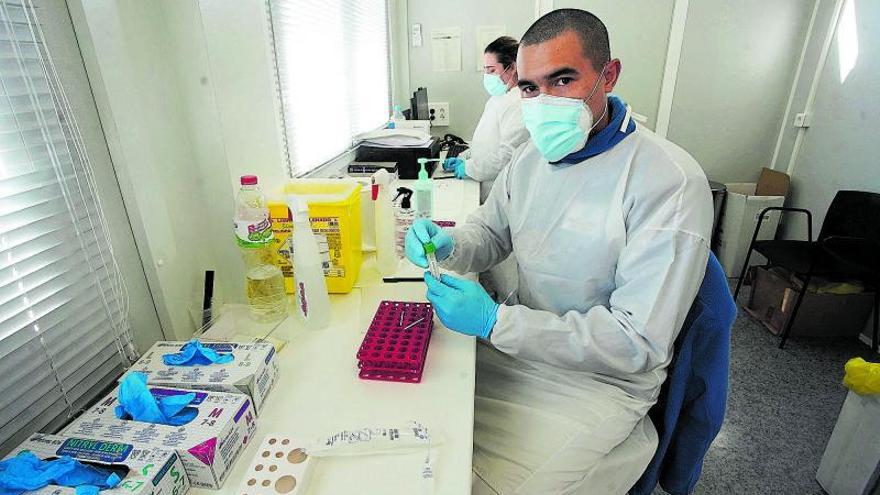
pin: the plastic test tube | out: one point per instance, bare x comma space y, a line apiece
433, 266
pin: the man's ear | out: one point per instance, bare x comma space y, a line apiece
612, 74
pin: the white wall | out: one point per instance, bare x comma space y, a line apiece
236, 37
641, 47
463, 90
840, 149
62, 44
638, 32
181, 127
737, 64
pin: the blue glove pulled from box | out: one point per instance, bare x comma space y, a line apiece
26, 472
138, 404
194, 353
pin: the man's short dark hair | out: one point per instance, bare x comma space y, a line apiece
505, 49
589, 29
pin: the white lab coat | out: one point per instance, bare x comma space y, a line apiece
499, 133
611, 252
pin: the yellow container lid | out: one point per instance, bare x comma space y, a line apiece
324, 191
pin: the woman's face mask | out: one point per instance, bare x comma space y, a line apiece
493, 83
559, 125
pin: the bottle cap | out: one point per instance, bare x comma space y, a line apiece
248, 180
429, 247
423, 173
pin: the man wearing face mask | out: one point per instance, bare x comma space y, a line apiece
500, 129
609, 225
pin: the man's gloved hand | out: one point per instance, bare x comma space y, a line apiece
462, 305
452, 164
421, 232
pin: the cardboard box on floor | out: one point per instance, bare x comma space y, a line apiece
208, 445
742, 205
821, 315
144, 470
252, 371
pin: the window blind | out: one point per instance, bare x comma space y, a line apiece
64, 335
333, 74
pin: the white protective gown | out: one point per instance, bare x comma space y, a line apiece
611, 252
499, 133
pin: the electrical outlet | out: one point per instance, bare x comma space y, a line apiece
439, 112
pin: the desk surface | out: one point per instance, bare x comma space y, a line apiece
318, 390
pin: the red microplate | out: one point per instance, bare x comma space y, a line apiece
391, 351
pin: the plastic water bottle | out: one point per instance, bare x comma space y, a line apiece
396, 117
308, 273
253, 232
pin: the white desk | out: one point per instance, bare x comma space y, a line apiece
319, 392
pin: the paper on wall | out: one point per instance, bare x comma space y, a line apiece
484, 36
446, 48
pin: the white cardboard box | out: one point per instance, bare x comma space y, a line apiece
144, 470
253, 371
741, 210
851, 462
208, 445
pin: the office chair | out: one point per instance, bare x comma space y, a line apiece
847, 248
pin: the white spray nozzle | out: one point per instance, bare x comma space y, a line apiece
297, 206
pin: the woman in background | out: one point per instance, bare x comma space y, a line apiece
500, 129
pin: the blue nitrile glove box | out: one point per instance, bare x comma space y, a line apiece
144, 470
253, 370
208, 445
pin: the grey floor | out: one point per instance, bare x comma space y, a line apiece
781, 409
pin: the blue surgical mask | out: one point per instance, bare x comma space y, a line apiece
559, 125
494, 85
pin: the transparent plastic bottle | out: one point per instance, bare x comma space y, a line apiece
396, 117
264, 281
312, 299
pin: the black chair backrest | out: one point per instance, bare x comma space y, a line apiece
853, 214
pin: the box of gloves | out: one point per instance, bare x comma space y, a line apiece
61, 465
208, 430
218, 366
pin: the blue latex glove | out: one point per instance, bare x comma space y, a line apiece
138, 404
194, 353
462, 305
451, 164
459, 170
26, 472
421, 232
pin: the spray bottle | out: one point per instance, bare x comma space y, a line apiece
386, 259
311, 288
403, 218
